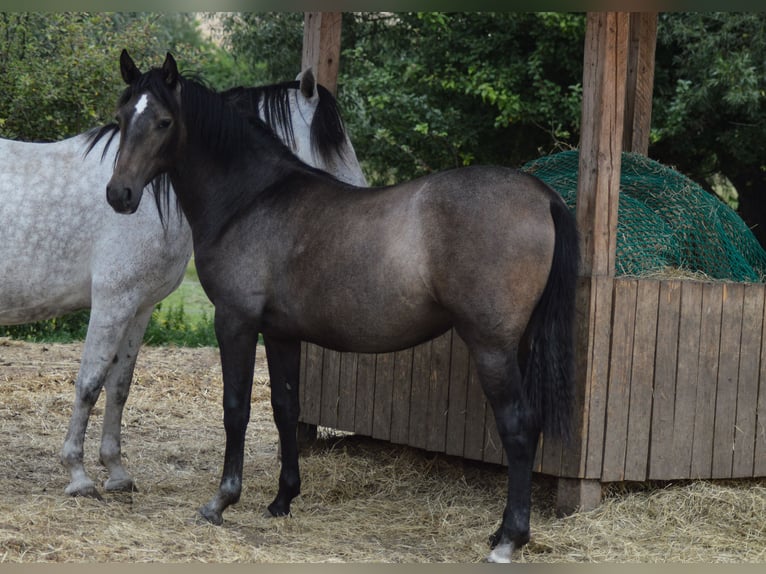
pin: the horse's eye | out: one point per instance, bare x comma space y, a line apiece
164, 124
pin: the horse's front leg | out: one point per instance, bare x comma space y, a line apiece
118, 381
284, 357
236, 341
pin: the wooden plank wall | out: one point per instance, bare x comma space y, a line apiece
682, 391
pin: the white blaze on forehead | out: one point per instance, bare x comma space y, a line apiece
141, 104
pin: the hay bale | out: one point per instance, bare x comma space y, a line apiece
665, 220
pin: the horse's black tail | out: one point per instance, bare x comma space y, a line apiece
549, 372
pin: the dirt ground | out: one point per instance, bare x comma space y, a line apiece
362, 500
173, 442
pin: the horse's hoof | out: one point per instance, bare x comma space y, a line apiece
501, 554
277, 510
268, 513
120, 485
86, 489
210, 515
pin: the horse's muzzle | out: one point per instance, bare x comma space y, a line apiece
122, 199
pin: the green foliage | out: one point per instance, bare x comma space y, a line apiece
429, 91
265, 47
709, 104
171, 326
59, 72
710, 91
64, 329
59, 76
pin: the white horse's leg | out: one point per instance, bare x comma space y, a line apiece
105, 333
117, 384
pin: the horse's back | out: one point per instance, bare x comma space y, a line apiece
46, 214
401, 263
500, 209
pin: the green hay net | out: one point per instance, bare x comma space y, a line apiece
666, 222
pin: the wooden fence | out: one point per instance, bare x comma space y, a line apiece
676, 390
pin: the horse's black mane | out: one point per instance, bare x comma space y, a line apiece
217, 119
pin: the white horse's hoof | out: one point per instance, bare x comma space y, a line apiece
120, 485
84, 488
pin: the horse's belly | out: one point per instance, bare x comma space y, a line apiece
25, 309
362, 328
380, 342
34, 291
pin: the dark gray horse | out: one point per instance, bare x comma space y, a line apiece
288, 251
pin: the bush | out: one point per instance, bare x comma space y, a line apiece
64, 329
170, 327
173, 327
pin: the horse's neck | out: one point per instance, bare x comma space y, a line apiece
212, 192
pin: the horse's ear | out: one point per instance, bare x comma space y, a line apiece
308, 83
130, 73
170, 69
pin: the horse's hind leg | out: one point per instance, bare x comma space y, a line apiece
117, 385
284, 366
501, 380
105, 332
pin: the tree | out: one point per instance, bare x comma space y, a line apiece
710, 102
266, 46
59, 76
428, 91
58, 71
420, 91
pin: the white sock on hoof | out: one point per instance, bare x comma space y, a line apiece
501, 554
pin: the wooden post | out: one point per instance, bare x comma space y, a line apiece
598, 187
577, 494
321, 47
640, 81
603, 109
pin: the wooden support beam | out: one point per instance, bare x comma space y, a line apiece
640, 81
321, 47
577, 495
598, 189
603, 107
